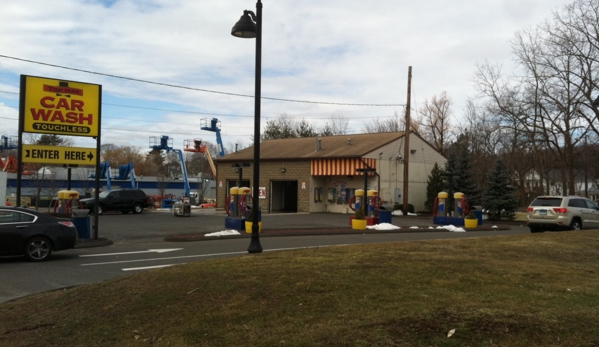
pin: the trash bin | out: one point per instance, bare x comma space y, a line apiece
478, 212
83, 226
384, 216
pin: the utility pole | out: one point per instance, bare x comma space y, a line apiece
406, 150
586, 166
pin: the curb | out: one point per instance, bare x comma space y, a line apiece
312, 232
90, 243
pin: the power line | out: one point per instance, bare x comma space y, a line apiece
159, 109
196, 89
190, 112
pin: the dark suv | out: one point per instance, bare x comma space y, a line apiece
124, 200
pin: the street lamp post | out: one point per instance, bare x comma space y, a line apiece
250, 26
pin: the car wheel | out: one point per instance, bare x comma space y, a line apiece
576, 224
137, 208
38, 249
100, 210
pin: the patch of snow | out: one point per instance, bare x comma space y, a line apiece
383, 226
494, 226
400, 213
452, 228
414, 227
224, 233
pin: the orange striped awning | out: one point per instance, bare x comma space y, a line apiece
346, 167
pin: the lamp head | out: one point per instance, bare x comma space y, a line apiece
245, 27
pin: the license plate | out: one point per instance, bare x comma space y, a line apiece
542, 212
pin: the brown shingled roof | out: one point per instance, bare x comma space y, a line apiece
305, 147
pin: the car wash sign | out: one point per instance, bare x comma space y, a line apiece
60, 107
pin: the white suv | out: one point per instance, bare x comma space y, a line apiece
562, 212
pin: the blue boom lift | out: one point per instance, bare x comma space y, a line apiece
125, 171
164, 143
214, 125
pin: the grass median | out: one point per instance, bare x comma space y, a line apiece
526, 290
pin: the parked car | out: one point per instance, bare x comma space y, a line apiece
562, 213
124, 200
34, 234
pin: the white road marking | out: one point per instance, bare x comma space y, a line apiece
136, 252
203, 255
146, 267
167, 258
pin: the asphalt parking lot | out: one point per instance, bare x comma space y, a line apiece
139, 242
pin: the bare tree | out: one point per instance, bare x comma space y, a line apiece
549, 102
390, 124
337, 125
434, 121
231, 147
197, 162
123, 155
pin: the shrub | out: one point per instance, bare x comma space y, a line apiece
359, 214
471, 215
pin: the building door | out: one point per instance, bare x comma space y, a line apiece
283, 196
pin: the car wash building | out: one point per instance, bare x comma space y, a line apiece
321, 174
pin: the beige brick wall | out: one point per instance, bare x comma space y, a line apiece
269, 171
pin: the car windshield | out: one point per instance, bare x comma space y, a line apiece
556, 202
104, 194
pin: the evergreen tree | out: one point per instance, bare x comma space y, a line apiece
464, 182
326, 131
499, 197
450, 168
305, 129
450, 172
283, 127
156, 157
51, 140
434, 185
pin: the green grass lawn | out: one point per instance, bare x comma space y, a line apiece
526, 290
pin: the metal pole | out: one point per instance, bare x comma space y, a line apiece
22, 91
406, 152
96, 222
255, 246
68, 178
